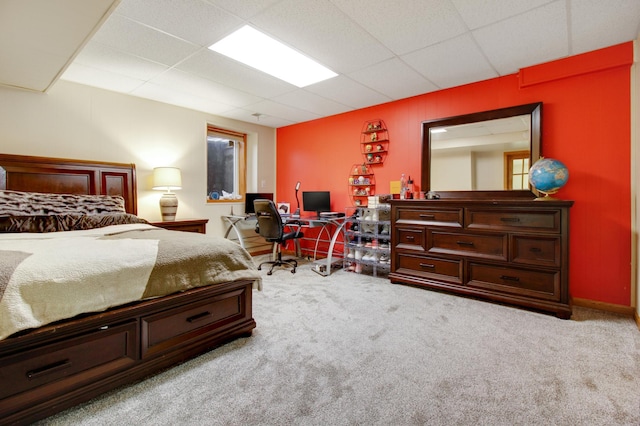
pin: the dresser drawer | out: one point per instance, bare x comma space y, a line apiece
533, 250
410, 238
514, 220
492, 246
523, 282
429, 267
166, 329
431, 216
61, 366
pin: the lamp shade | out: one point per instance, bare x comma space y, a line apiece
167, 178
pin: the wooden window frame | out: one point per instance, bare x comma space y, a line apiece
241, 158
508, 167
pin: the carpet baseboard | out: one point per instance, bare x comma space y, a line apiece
602, 306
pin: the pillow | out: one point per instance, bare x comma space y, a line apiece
16, 203
55, 223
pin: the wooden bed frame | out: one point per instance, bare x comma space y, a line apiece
57, 366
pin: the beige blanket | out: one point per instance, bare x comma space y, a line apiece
53, 276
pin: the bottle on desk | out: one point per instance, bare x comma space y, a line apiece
410, 189
403, 187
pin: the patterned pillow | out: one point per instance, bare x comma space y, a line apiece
72, 222
16, 203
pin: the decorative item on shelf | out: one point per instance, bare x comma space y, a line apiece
547, 176
374, 139
167, 179
361, 184
284, 209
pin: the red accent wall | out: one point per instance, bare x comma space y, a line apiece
586, 123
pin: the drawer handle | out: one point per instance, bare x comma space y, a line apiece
509, 278
427, 265
410, 237
510, 219
427, 216
535, 249
199, 317
48, 369
465, 243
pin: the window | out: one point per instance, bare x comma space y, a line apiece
226, 164
516, 170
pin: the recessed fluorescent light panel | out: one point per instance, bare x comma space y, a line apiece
253, 48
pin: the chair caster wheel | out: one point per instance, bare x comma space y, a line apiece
293, 271
269, 273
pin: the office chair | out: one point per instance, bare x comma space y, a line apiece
271, 228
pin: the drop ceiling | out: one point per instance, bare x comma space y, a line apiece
382, 50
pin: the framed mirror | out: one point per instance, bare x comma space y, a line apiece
484, 154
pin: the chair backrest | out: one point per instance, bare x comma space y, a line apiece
270, 225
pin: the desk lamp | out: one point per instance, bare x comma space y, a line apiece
167, 178
297, 212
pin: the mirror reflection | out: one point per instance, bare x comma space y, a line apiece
488, 155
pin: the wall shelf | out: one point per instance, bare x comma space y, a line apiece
361, 184
374, 142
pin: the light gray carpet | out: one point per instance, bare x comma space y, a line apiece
350, 349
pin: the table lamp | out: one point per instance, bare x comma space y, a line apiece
297, 212
167, 178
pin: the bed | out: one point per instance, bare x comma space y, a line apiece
97, 298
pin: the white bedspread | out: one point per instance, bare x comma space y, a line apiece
57, 275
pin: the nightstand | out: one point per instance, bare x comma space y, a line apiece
187, 225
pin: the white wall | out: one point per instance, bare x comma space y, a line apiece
81, 122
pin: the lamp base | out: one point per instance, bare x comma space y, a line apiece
168, 206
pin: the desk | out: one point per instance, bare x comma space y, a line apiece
329, 226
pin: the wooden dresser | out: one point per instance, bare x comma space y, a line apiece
508, 251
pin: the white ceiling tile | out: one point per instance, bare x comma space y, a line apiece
106, 58
321, 31
263, 120
393, 78
522, 41
39, 38
348, 92
479, 13
311, 102
195, 21
405, 26
201, 87
244, 9
451, 63
219, 68
275, 109
89, 76
180, 98
592, 22
139, 40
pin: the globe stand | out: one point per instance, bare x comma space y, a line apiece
546, 196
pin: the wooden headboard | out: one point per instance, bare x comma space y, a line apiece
64, 176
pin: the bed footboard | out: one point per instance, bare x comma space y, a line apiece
61, 365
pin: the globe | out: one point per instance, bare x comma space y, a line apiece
548, 175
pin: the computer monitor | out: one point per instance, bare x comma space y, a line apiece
316, 201
249, 197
